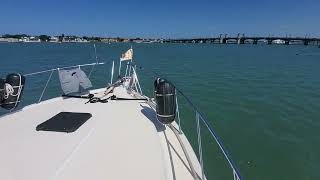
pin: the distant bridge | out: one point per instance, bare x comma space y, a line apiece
244, 39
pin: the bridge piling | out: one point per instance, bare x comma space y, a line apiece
238, 38
287, 42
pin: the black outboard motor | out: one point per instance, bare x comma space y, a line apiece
165, 95
14, 86
2, 82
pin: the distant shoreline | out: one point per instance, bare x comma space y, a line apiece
70, 39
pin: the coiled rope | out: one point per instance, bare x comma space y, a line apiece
8, 91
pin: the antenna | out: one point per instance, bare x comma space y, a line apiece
95, 52
97, 61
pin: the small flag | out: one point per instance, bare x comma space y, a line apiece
127, 55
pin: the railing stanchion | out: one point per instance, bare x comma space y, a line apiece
112, 70
137, 79
178, 114
44, 89
126, 71
235, 175
200, 144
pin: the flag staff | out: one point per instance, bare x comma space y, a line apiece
131, 60
127, 56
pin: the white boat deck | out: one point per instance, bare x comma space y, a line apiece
123, 140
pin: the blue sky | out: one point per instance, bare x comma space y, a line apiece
161, 18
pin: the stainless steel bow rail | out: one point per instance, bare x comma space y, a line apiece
51, 71
199, 117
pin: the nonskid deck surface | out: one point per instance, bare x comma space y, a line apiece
122, 140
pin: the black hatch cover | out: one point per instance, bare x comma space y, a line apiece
64, 122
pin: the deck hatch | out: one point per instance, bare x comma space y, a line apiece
64, 122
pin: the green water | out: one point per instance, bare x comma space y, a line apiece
262, 100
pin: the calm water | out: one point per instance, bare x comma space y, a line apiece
263, 101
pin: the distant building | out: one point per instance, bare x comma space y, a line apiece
24, 39
109, 40
9, 40
54, 39
30, 39
80, 40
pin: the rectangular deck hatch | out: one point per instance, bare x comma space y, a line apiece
64, 122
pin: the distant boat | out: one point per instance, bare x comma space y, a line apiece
278, 41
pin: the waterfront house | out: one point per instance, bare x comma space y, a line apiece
54, 39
